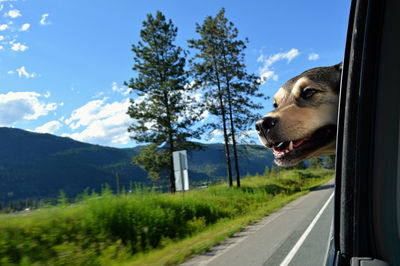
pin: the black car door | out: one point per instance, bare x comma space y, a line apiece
367, 194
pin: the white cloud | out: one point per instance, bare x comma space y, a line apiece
279, 56
85, 114
266, 72
123, 91
247, 135
217, 132
1, 47
10, 72
1, 37
313, 56
18, 106
43, 20
105, 123
1, 7
22, 72
3, 27
291, 54
115, 88
18, 47
49, 127
13, 13
98, 95
25, 27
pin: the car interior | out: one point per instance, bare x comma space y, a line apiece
366, 227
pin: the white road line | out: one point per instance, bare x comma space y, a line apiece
240, 240
296, 247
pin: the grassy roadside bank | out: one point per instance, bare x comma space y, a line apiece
147, 228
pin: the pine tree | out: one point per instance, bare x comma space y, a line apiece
219, 67
266, 171
301, 165
11, 207
329, 161
206, 67
316, 162
273, 171
164, 110
62, 198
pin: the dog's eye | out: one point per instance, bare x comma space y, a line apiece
307, 93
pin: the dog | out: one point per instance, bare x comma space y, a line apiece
303, 122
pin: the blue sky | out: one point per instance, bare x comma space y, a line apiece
63, 63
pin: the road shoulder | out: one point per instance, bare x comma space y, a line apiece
269, 239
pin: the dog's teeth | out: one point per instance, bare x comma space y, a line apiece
291, 145
286, 151
280, 144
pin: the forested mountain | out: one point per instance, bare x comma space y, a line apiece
34, 165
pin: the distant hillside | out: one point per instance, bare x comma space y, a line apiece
34, 165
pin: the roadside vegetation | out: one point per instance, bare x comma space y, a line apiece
144, 226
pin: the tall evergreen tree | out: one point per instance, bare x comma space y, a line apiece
208, 74
219, 66
329, 161
300, 165
163, 110
316, 162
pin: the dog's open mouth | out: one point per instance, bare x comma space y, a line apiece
293, 151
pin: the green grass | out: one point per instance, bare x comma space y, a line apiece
145, 227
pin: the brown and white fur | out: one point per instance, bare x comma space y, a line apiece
303, 123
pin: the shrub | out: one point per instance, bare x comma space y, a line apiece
107, 227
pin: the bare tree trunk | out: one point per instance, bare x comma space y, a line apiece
228, 158
226, 139
171, 144
235, 157
172, 176
228, 90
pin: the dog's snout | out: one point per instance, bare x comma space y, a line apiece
266, 123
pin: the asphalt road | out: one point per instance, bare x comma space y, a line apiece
295, 235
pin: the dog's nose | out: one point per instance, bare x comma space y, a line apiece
266, 123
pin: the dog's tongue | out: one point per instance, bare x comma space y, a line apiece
297, 143
286, 145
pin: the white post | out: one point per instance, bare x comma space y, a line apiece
181, 170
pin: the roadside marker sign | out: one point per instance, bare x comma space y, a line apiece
181, 170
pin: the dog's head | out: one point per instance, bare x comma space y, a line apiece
303, 124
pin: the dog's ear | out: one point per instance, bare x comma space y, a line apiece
339, 66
